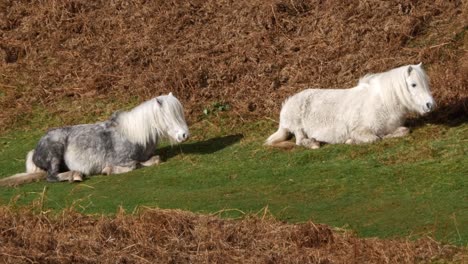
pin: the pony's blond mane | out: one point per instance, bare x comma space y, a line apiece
152, 120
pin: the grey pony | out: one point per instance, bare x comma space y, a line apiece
124, 142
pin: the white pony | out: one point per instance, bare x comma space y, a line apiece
124, 142
374, 109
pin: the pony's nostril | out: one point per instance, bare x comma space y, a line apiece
184, 135
429, 105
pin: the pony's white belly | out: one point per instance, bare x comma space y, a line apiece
327, 134
86, 162
319, 114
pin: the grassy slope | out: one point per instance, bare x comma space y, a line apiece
412, 186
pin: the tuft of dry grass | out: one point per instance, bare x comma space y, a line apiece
174, 236
62, 55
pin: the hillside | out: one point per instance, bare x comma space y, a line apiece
80, 60
75, 61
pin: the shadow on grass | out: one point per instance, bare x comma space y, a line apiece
202, 147
452, 115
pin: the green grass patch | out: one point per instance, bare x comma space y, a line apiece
413, 186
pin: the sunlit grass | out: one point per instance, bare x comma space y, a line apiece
412, 186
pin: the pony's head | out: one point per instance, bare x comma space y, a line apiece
169, 118
160, 117
416, 90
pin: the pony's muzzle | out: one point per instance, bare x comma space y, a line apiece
182, 136
429, 107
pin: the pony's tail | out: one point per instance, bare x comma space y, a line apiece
33, 173
279, 139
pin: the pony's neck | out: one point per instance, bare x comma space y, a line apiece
390, 87
137, 125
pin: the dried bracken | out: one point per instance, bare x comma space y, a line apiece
250, 54
173, 236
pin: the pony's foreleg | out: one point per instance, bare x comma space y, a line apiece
362, 136
53, 170
155, 160
302, 140
71, 176
399, 132
108, 170
119, 169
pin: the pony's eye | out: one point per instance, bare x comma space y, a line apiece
413, 85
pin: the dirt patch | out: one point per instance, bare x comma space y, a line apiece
248, 54
173, 236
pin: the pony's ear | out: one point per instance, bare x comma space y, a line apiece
409, 70
170, 94
420, 65
114, 119
159, 101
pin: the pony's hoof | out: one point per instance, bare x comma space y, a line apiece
401, 132
315, 146
350, 141
155, 160
107, 170
310, 143
77, 177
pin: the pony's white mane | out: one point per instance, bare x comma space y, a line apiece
152, 120
392, 85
